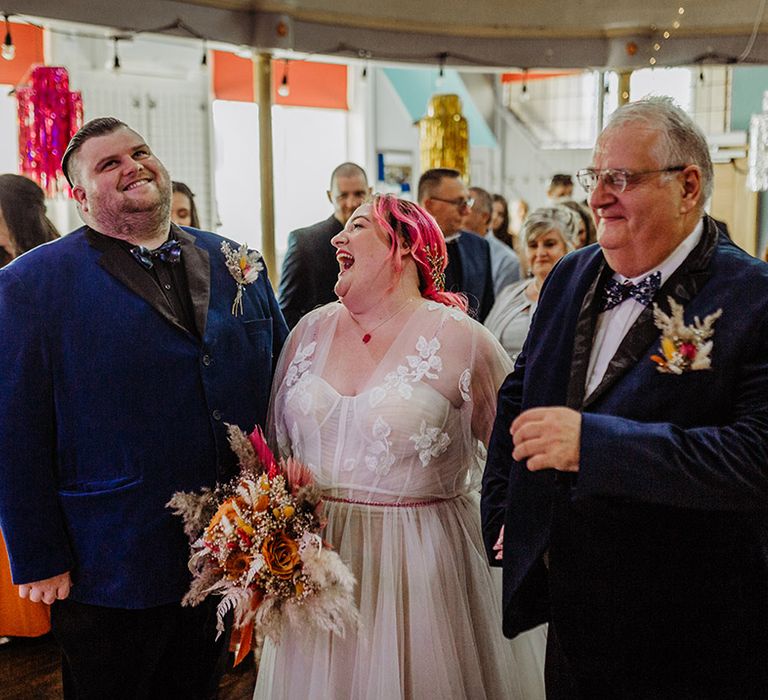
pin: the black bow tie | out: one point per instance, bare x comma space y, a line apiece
643, 292
169, 252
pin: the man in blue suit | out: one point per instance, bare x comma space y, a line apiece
443, 194
628, 464
125, 355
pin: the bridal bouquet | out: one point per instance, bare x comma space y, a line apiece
256, 542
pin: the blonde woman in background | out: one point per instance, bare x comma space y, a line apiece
548, 234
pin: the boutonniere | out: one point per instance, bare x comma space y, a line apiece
683, 348
244, 268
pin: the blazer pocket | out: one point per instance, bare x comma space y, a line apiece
258, 326
102, 488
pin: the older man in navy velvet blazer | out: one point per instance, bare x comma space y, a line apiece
629, 460
123, 358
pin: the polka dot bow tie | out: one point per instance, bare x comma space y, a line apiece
615, 292
169, 252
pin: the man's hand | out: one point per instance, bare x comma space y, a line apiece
499, 546
48, 590
548, 438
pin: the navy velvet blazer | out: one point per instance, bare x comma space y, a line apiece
658, 545
108, 407
469, 271
310, 270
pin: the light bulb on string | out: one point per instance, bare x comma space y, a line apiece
8, 50
441, 72
204, 59
524, 94
284, 90
365, 56
116, 57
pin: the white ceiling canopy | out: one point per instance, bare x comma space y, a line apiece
483, 34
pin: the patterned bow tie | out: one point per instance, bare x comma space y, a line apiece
169, 252
615, 292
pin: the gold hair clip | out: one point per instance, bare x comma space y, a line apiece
436, 268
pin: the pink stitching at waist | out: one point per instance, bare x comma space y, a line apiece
383, 504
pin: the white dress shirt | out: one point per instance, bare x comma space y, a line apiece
614, 324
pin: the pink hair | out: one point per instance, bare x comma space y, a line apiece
402, 219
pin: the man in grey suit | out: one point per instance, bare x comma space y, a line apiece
310, 268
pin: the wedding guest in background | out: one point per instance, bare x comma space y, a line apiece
587, 233
124, 361
183, 209
500, 220
23, 223
309, 267
443, 194
549, 233
393, 446
560, 188
505, 266
23, 226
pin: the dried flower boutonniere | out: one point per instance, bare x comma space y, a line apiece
683, 348
244, 267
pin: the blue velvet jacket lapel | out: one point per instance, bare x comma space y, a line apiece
682, 286
196, 268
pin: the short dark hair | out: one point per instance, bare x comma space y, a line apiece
182, 188
96, 127
347, 170
483, 200
430, 180
561, 179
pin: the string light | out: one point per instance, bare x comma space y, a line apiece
8, 50
365, 56
524, 96
657, 45
284, 90
116, 57
442, 58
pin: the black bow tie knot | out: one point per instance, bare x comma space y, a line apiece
169, 252
643, 292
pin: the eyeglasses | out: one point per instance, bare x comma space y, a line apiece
617, 180
458, 203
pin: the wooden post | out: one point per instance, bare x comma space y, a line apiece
624, 77
266, 175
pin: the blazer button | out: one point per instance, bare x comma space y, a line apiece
216, 414
207, 360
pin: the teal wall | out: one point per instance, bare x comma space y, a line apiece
749, 84
416, 86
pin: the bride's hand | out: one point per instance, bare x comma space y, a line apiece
499, 546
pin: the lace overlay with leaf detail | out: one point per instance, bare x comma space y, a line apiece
426, 364
379, 457
409, 435
430, 442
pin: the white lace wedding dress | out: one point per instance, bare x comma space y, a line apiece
402, 461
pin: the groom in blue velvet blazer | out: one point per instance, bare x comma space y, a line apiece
123, 358
628, 465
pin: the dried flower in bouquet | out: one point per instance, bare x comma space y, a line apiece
256, 542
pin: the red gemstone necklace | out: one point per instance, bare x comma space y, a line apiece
367, 334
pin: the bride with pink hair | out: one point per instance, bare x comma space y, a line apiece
388, 397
